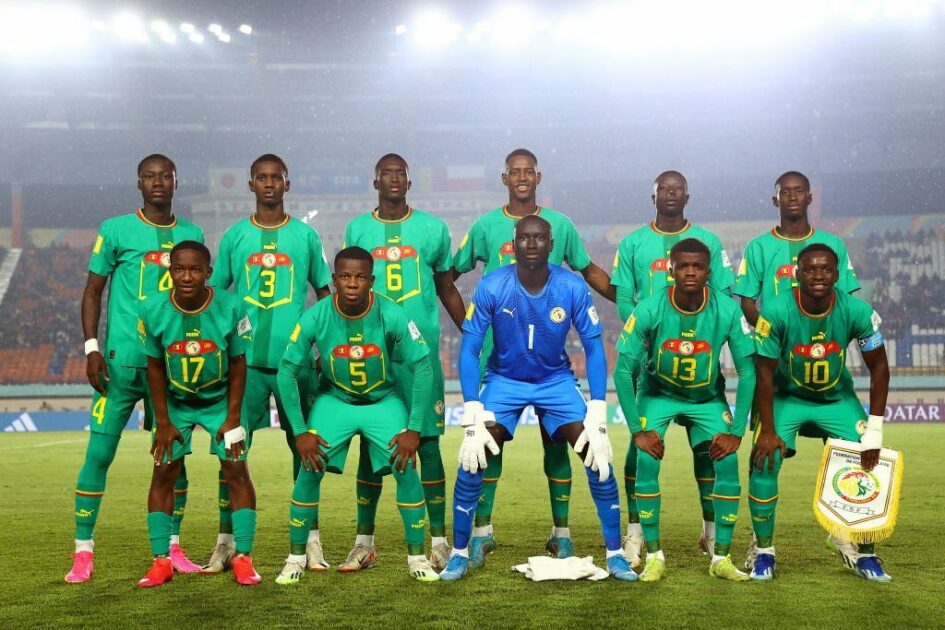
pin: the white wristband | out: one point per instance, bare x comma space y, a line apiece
91, 345
233, 436
872, 438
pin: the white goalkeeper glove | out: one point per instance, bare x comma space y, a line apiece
600, 454
472, 451
872, 438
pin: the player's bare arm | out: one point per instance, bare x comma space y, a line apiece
768, 441
750, 309
449, 296
164, 433
878, 366
322, 293
598, 280
95, 368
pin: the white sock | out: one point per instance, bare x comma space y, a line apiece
708, 529
84, 545
635, 530
655, 554
414, 558
313, 536
438, 540
298, 559
561, 532
175, 540
716, 558
767, 550
485, 530
460, 552
615, 552
225, 539
364, 540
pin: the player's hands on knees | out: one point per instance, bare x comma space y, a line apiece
165, 434
96, 371
723, 445
236, 449
649, 442
766, 446
406, 442
869, 459
309, 446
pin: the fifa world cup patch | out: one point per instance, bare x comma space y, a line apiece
97, 249
631, 323
439, 407
558, 314
746, 327
727, 417
592, 313
244, 326
743, 267
414, 331
470, 310
763, 327
725, 259
295, 333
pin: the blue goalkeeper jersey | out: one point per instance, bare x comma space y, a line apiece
530, 330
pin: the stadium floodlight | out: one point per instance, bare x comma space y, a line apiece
196, 38
400, 29
160, 26
168, 37
246, 29
187, 27
34, 29
129, 27
215, 28
435, 28
224, 37
513, 26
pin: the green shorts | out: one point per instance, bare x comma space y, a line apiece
703, 420
433, 423
125, 387
337, 422
260, 385
844, 419
186, 415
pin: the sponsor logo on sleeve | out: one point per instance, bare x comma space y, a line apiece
592, 313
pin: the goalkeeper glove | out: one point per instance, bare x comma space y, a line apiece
472, 451
600, 453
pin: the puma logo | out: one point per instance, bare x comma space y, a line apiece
466, 511
510, 312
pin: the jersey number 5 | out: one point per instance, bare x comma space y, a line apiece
358, 375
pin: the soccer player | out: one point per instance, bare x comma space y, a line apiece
194, 341
489, 241
642, 269
270, 259
359, 335
411, 251
675, 337
134, 251
530, 306
801, 341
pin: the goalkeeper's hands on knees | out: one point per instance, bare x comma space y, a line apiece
476, 437
600, 454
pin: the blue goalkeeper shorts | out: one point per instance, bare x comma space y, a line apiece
557, 402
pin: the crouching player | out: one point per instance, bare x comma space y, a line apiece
675, 337
358, 335
801, 341
194, 341
531, 306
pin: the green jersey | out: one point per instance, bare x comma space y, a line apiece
357, 352
270, 268
812, 349
680, 349
641, 266
196, 346
767, 267
407, 252
136, 254
490, 240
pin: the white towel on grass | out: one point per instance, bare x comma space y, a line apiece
541, 568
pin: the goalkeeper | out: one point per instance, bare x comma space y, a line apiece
530, 307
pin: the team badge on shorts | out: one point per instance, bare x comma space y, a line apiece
439, 407
817, 350
861, 427
727, 417
356, 352
558, 314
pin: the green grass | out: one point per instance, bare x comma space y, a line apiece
812, 588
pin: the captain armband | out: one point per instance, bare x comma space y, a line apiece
872, 342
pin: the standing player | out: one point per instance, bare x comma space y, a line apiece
411, 251
489, 241
194, 341
134, 251
358, 335
531, 306
676, 336
270, 259
801, 341
641, 269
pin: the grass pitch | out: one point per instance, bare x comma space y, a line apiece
812, 588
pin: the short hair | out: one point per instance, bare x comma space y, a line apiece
195, 246
819, 248
522, 153
781, 179
690, 246
355, 253
656, 182
156, 156
391, 156
532, 218
268, 157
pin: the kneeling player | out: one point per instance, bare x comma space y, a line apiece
803, 384
530, 307
197, 373
358, 335
676, 336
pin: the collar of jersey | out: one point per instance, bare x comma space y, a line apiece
141, 216
797, 298
774, 231
252, 219
524, 290
194, 312
705, 300
400, 220
505, 211
334, 303
659, 231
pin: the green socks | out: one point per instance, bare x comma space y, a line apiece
725, 498
90, 486
630, 482
763, 500
244, 530
489, 482
412, 509
180, 499
159, 532
368, 489
558, 472
302, 509
649, 499
704, 470
433, 478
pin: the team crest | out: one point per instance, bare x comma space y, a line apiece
165, 259
356, 352
268, 260
686, 348
855, 485
439, 407
192, 347
817, 350
558, 314
861, 427
394, 253
727, 417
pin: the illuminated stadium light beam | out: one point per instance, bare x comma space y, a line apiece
512, 26
435, 28
224, 37
160, 26
400, 29
168, 37
246, 29
187, 27
128, 27
215, 28
34, 29
196, 38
